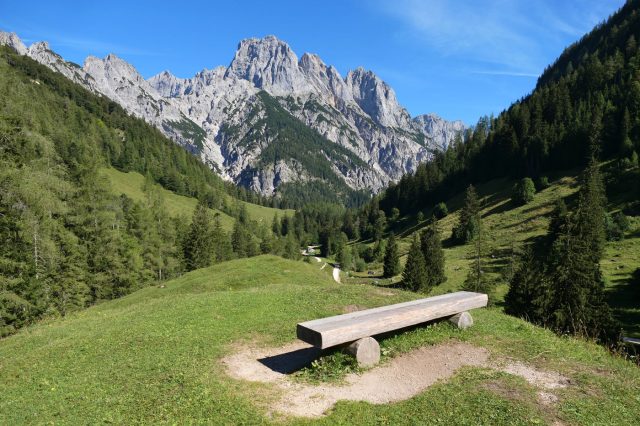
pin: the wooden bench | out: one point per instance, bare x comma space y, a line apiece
358, 328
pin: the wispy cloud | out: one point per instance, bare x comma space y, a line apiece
506, 73
84, 45
510, 35
97, 47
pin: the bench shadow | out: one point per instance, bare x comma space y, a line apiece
290, 362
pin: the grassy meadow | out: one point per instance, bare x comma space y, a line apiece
131, 184
154, 357
507, 227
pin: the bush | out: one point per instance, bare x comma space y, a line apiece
395, 214
420, 217
615, 226
542, 183
361, 265
523, 191
440, 210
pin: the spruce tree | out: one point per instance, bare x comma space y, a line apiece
391, 266
221, 240
468, 224
529, 290
240, 240
431, 248
199, 248
477, 280
275, 225
579, 305
414, 276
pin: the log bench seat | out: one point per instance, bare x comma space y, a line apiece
358, 328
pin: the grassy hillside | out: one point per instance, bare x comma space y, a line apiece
154, 357
131, 185
509, 226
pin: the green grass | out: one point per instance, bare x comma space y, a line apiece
154, 357
131, 184
507, 224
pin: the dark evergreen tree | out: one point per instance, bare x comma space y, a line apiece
524, 191
391, 266
469, 222
441, 210
431, 248
199, 248
414, 276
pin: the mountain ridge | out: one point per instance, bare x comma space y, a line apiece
359, 112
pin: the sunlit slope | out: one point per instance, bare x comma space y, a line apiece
154, 357
131, 184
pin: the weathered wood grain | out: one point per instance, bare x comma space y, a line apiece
332, 331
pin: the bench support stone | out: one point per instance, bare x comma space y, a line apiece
366, 351
462, 320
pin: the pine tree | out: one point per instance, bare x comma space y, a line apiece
468, 224
477, 280
240, 239
579, 304
221, 241
199, 249
391, 266
431, 248
529, 289
414, 276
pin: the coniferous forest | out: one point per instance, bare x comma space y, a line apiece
68, 241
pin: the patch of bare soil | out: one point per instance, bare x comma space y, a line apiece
399, 379
352, 308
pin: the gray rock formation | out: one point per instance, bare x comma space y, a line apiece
220, 114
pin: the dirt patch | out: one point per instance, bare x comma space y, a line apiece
399, 379
352, 308
384, 292
538, 378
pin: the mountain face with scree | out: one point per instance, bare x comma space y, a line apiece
270, 118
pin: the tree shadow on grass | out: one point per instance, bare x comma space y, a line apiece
624, 298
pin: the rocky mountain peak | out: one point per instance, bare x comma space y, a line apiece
269, 64
12, 40
40, 46
167, 84
219, 115
376, 98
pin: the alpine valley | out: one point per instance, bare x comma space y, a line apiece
270, 121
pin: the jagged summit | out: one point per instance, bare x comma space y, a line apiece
220, 114
12, 40
269, 64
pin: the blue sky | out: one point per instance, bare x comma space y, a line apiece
460, 59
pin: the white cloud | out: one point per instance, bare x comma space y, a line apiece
510, 35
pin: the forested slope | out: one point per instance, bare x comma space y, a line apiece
69, 238
589, 98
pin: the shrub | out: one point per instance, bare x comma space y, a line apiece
615, 226
524, 191
440, 210
542, 183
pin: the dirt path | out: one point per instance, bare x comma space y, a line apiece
317, 259
399, 379
336, 275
